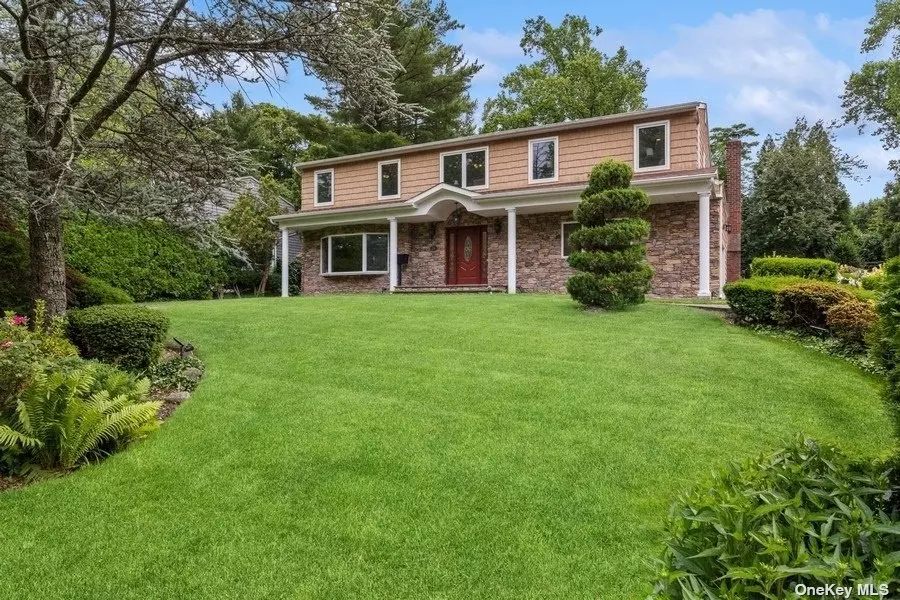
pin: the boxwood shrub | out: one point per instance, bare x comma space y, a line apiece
125, 335
784, 266
805, 305
753, 299
91, 291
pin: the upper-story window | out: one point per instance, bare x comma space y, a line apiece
651, 146
323, 188
389, 179
466, 169
543, 161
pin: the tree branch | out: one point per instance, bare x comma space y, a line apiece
93, 124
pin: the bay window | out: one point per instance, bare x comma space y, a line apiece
355, 254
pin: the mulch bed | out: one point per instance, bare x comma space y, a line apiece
171, 400
10, 483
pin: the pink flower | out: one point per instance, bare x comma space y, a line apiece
18, 320
6, 345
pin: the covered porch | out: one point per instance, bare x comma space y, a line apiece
510, 241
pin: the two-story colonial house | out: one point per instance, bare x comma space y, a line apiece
495, 210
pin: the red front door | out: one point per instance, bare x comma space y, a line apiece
465, 261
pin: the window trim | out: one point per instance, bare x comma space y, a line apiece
665, 165
365, 246
316, 187
531, 143
399, 179
487, 164
562, 237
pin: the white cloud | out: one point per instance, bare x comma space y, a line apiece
490, 43
499, 52
764, 60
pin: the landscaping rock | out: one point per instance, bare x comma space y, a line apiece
193, 374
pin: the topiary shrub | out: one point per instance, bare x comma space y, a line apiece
607, 250
805, 305
753, 300
784, 266
125, 335
851, 321
807, 514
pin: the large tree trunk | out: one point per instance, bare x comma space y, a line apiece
48, 267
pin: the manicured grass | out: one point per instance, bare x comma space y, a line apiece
425, 446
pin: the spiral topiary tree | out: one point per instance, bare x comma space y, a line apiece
609, 249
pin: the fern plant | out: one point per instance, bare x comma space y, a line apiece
69, 416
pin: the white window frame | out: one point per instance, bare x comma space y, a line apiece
531, 143
316, 187
487, 164
562, 237
399, 179
365, 246
665, 165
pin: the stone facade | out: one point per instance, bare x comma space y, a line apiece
672, 251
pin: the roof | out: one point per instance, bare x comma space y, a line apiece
660, 111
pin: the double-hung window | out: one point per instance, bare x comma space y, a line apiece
355, 254
389, 180
323, 187
651, 146
465, 169
543, 160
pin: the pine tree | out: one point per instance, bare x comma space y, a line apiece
609, 249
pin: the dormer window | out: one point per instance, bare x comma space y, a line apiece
651, 146
465, 169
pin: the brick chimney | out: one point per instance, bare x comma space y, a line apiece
733, 207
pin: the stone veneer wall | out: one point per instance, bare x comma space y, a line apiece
671, 251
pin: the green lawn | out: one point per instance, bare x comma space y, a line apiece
424, 446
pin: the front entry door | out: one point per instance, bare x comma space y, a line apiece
465, 258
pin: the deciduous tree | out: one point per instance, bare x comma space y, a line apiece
104, 99
570, 78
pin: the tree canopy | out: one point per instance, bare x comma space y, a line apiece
570, 78
718, 140
436, 76
798, 205
102, 102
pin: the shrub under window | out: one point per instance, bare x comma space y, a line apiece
357, 253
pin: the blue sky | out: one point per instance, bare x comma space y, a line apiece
764, 63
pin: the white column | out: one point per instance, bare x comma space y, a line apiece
703, 292
511, 250
392, 253
285, 262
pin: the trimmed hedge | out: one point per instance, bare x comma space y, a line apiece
851, 321
614, 291
805, 305
596, 208
96, 291
754, 299
784, 266
149, 260
125, 335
